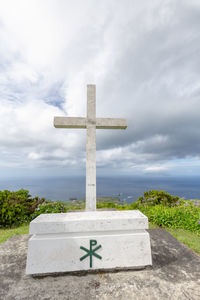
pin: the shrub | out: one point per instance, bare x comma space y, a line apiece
17, 207
134, 205
153, 197
166, 210
185, 217
48, 208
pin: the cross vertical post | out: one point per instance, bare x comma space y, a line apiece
91, 123
91, 149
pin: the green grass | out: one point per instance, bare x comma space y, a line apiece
191, 239
153, 226
6, 233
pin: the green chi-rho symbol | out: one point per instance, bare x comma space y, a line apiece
91, 252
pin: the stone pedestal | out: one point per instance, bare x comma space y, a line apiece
88, 241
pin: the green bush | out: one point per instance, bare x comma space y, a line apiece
185, 217
153, 197
48, 208
167, 210
134, 205
16, 207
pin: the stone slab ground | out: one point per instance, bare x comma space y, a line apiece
175, 274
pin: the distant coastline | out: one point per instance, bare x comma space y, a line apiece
127, 189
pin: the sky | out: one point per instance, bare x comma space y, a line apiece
143, 56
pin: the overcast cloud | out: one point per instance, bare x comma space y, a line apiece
143, 56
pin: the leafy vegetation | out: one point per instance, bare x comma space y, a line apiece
153, 198
174, 217
17, 207
48, 207
169, 211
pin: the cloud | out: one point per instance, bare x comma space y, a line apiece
143, 57
155, 169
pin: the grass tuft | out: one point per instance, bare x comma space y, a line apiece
6, 233
191, 239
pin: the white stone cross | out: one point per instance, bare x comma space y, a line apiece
91, 123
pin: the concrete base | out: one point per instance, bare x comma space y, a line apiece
88, 241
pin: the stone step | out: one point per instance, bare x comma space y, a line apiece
89, 221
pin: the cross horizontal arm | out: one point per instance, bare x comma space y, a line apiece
101, 123
69, 122
111, 123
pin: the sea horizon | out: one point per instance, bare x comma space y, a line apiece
126, 188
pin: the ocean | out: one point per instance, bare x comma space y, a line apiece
126, 188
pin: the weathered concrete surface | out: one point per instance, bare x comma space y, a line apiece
175, 275
58, 241
87, 222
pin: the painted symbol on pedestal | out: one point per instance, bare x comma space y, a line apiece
91, 252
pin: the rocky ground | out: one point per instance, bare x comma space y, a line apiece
175, 274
